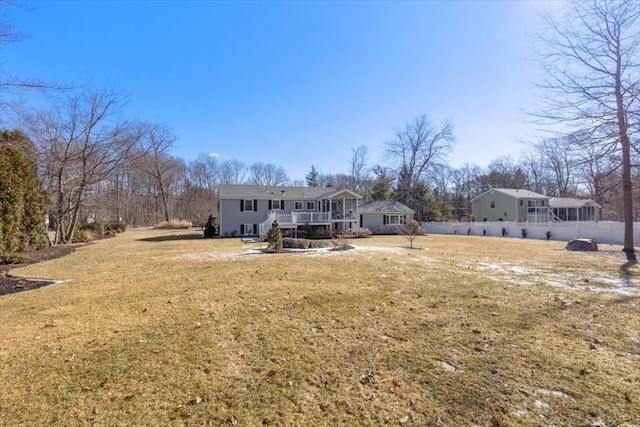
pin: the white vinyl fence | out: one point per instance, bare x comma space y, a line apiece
603, 231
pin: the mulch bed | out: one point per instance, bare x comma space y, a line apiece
10, 284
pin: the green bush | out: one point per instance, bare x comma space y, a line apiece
116, 227
80, 236
274, 237
11, 258
92, 227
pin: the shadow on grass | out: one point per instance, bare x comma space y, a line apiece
625, 269
171, 238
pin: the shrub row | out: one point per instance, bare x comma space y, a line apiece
291, 243
93, 230
11, 258
173, 225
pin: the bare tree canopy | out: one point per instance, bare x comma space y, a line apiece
81, 142
267, 174
359, 168
591, 60
10, 34
417, 151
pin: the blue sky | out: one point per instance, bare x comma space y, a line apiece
296, 83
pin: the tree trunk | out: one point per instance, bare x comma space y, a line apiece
627, 193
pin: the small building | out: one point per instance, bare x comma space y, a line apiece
569, 209
505, 204
384, 216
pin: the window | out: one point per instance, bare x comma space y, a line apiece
275, 204
248, 205
394, 219
248, 229
521, 202
311, 206
297, 206
493, 204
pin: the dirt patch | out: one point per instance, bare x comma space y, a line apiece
10, 284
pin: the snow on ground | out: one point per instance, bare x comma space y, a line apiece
499, 272
505, 272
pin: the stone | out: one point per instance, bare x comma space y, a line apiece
582, 245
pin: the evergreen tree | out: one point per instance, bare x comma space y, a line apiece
211, 228
274, 237
312, 178
382, 188
23, 204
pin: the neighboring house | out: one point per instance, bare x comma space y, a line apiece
503, 204
568, 209
384, 216
249, 210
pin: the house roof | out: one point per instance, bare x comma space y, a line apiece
262, 192
515, 193
567, 202
384, 206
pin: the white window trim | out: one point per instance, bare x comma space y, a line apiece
295, 205
276, 205
311, 203
397, 219
248, 231
250, 208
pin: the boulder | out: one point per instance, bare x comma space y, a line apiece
582, 245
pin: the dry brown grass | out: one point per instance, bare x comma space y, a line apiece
162, 328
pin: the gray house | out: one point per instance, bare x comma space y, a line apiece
249, 210
385, 216
503, 204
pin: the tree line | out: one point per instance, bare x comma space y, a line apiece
93, 164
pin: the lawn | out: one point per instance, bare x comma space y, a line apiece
163, 328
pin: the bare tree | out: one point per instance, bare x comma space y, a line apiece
359, 168
464, 185
412, 230
232, 172
417, 149
81, 143
203, 175
164, 170
559, 156
10, 83
591, 59
267, 174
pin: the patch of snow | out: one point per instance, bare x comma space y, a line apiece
520, 413
447, 367
555, 393
540, 404
505, 272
